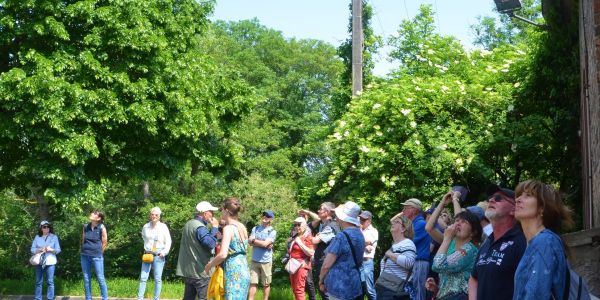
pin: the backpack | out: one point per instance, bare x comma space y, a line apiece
575, 287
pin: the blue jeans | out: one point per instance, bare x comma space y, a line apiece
86, 266
157, 265
39, 280
367, 277
419, 276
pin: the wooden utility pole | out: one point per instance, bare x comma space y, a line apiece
357, 47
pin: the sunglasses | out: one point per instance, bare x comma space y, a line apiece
500, 198
45, 226
297, 224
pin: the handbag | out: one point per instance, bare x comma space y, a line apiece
149, 257
293, 265
37, 259
392, 282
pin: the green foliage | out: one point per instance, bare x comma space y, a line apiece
423, 130
114, 89
492, 32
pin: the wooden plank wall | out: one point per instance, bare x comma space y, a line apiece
589, 37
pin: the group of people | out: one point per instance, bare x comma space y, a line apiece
505, 247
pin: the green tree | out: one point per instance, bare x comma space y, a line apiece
283, 137
423, 130
109, 90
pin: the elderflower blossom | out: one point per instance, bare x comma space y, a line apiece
364, 149
376, 106
413, 124
405, 111
331, 182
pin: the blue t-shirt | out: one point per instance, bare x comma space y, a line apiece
497, 263
343, 279
261, 233
542, 270
422, 238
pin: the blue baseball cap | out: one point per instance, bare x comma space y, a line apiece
268, 214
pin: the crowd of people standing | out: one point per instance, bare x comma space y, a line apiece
507, 247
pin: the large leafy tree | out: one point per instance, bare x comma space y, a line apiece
425, 129
100, 90
294, 79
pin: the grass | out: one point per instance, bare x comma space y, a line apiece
123, 288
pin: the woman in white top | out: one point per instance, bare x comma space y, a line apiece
397, 262
157, 241
45, 242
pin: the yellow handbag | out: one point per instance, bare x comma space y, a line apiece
216, 287
149, 257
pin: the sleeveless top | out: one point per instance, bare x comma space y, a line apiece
92, 240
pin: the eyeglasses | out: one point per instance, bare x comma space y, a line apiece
45, 226
500, 198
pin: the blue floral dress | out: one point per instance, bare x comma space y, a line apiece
235, 270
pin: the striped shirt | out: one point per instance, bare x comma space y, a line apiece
400, 268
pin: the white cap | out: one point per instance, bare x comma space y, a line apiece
205, 206
156, 210
300, 220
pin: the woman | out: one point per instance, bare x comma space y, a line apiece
541, 273
45, 242
93, 243
340, 273
457, 252
233, 253
397, 262
300, 248
157, 241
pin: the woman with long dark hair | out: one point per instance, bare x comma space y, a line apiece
457, 253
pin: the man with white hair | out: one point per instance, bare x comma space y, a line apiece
197, 246
324, 229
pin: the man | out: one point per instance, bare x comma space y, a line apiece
412, 210
371, 236
497, 260
325, 228
261, 239
195, 250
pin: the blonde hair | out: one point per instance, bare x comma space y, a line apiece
408, 226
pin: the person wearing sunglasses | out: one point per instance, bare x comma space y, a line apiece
45, 242
300, 247
500, 254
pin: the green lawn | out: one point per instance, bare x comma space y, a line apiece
123, 288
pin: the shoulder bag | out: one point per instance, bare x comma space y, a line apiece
293, 265
356, 265
392, 282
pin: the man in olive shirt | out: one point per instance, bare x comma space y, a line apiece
195, 250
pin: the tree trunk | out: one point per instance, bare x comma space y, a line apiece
146, 190
37, 193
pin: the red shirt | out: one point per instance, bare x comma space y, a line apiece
297, 252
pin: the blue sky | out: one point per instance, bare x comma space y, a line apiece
327, 20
